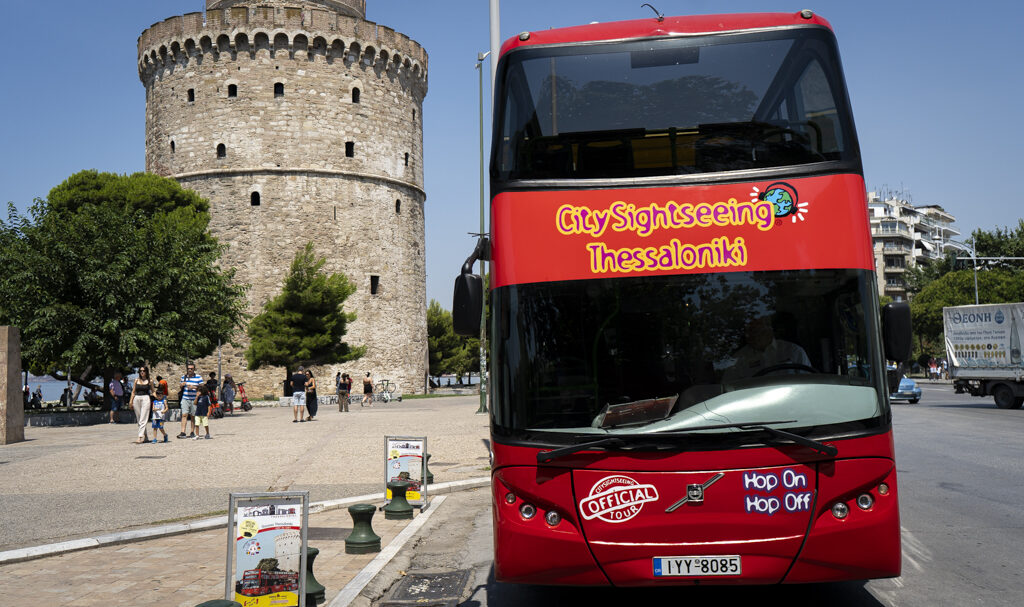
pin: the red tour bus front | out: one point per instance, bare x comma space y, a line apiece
687, 375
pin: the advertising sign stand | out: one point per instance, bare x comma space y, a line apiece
405, 460
266, 552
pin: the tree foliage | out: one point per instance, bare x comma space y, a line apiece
449, 353
1003, 242
112, 270
305, 324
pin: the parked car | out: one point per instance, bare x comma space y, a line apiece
908, 390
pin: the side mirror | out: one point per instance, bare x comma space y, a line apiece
896, 331
467, 304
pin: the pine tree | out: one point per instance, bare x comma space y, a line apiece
306, 323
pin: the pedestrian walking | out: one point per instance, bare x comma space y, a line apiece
312, 404
190, 383
159, 410
344, 391
203, 412
367, 390
227, 394
142, 390
116, 390
162, 391
298, 381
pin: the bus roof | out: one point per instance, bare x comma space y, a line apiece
670, 26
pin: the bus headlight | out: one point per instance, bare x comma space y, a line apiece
883, 489
840, 510
865, 501
553, 518
528, 511
510, 498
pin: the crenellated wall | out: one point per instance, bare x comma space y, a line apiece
254, 107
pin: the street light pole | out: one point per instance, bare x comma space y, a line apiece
483, 269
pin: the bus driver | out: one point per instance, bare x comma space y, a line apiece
763, 350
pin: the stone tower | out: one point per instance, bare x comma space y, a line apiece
301, 121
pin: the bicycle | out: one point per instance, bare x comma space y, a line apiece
383, 390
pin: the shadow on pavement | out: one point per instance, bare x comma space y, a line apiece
495, 594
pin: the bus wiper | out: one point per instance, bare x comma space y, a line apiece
818, 446
609, 441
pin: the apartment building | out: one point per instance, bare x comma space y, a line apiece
904, 235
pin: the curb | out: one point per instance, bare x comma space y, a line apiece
124, 537
370, 571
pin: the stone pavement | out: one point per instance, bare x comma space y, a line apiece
74, 482
180, 571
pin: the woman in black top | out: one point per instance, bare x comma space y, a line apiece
142, 389
311, 402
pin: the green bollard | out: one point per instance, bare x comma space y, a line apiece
362, 540
315, 591
430, 475
219, 603
399, 508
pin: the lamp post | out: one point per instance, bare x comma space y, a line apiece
483, 312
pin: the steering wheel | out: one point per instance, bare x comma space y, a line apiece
785, 366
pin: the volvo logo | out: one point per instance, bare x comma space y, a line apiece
695, 493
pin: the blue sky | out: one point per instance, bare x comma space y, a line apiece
937, 96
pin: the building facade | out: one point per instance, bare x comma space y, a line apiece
301, 121
905, 235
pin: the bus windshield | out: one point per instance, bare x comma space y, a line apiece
673, 106
662, 353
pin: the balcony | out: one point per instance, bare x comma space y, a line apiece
895, 269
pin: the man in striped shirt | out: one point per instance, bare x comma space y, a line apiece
190, 383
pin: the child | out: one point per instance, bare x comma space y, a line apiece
203, 411
159, 407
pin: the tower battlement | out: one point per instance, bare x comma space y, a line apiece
304, 32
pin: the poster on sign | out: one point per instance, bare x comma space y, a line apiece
406, 461
267, 548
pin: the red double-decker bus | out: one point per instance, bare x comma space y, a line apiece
687, 351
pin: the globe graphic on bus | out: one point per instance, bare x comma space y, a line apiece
782, 200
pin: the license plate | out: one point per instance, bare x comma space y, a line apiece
689, 566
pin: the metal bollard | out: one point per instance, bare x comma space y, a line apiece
315, 591
362, 540
399, 508
430, 475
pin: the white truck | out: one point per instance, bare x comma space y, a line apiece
983, 346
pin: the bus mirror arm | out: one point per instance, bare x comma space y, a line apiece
482, 251
467, 301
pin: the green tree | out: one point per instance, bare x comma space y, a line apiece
306, 323
1003, 242
112, 270
449, 353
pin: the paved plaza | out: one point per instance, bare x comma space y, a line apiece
72, 482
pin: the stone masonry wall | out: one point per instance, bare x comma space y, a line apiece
304, 158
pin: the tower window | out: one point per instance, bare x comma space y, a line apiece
172, 146
222, 151
398, 206
355, 95
374, 284
407, 159
232, 90
254, 199
350, 149
414, 115
191, 95
278, 89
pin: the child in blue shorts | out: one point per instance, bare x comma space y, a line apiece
159, 409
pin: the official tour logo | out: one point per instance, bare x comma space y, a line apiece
784, 199
616, 499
